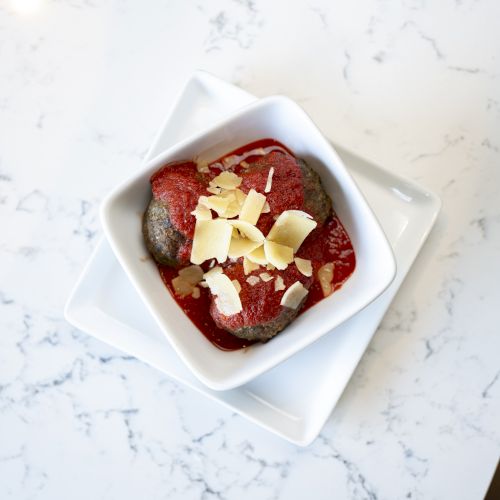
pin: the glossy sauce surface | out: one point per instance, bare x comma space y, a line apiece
329, 243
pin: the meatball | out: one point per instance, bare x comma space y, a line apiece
316, 202
262, 316
162, 239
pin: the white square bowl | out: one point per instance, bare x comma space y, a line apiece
281, 119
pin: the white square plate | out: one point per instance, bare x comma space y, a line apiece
283, 120
295, 398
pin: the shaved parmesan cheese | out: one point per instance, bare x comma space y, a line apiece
201, 212
252, 280
300, 213
266, 208
278, 255
279, 284
240, 196
248, 239
181, 287
270, 267
269, 182
214, 270
304, 266
247, 230
203, 284
244, 164
214, 190
237, 285
202, 166
192, 274
252, 208
249, 266
293, 297
240, 247
291, 229
196, 293
211, 240
227, 299
258, 256
325, 278
265, 277
218, 203
226, 180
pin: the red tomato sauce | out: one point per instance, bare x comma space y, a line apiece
329, 243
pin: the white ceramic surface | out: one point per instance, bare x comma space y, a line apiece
283, 120
84, 86
294, 399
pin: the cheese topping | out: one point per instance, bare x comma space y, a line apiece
253, 280
265, 277
304, 266
279, 284
211, 240
258, 256
325, 278
192, 274
202, 212
269, 182
278, 255
252, 208
226, 180
249, 266
294, 295
291, 229
181, 287
227, 299
237, 285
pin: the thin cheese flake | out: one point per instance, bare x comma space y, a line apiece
304, 266
211, 240
240, 196
202, 166
258, 256
247, 230
240, 247
265, 277
201, 212
266, 208
218, 203
181, 287
294, 295
249, 266
252, 208
214, 190
237, 285
226, 180
291, 229
192, 274
253, 280
227, 299
269, 182
279, 284
325, 278
247, 239
278, 255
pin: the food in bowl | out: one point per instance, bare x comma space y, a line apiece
247, 242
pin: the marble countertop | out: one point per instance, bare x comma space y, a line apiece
85, 84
